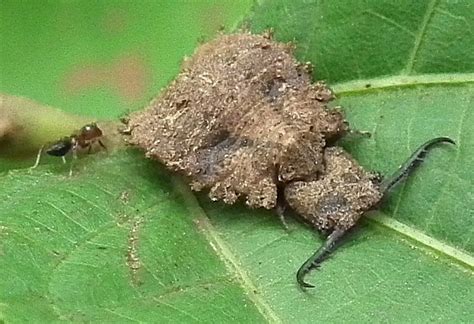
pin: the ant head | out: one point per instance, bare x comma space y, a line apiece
61, 147
90, 131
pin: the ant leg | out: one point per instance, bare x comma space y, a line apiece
353, 135
125, 130
38, 158
102, 145
318, 257
350, 132
356, 132
74, 157
280, 210
281, 207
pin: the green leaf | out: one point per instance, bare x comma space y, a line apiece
113, 243
124, 240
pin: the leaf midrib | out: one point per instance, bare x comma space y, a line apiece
223, 251
358, 87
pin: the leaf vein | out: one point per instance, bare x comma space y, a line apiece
49, 228
62, 212
390, 22
442, 248
178, 310
122, 316
358, 87
436, 205
419, 36
224, 252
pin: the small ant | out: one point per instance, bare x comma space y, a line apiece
87, 135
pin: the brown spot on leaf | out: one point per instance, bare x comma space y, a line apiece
128, 76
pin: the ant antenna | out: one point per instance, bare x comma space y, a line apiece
412, 163
74, 148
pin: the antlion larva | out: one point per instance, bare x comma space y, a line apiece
244, 121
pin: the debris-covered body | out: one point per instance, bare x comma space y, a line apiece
339, 196
243, 120
241, 117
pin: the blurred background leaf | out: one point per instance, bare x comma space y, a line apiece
103, 58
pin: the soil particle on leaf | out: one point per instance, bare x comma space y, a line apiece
125, 197
133, 258
241, 118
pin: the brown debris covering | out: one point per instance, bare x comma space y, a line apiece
241, 117
339, 197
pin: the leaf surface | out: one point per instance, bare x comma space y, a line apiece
124, 240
